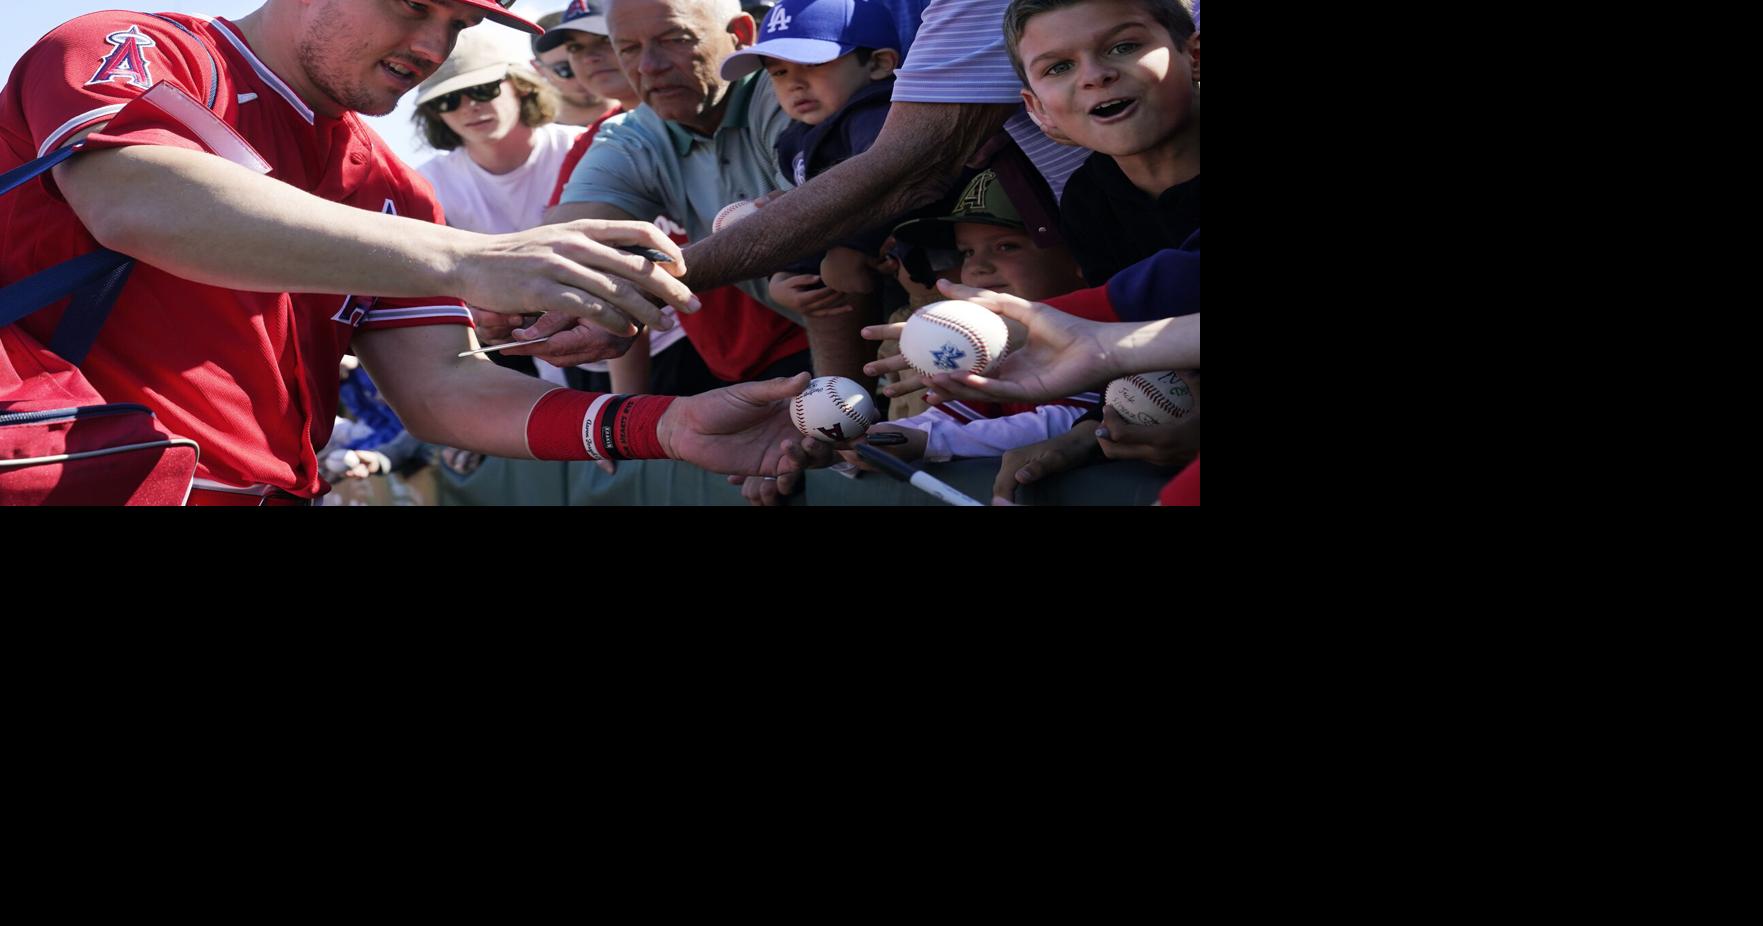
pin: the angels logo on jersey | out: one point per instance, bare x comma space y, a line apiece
125, 60
355, 308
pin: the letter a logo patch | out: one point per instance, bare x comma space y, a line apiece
125, 61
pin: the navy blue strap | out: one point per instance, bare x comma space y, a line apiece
93, 280
16, 177
90, 307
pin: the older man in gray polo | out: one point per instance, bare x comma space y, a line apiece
696, 144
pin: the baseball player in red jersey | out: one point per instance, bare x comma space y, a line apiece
275, 232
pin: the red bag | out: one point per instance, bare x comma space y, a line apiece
62, 444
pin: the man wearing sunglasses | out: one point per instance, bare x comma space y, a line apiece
275, 232
575, 56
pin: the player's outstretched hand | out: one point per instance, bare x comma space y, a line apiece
1062, 354
741, 429
1172, 444
573, 268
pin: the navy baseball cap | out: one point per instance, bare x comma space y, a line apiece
815, 32
579, 16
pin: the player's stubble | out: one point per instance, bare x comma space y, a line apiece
333, 64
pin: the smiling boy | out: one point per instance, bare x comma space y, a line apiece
1122, 78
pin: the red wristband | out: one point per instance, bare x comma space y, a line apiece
571, 425
638, 438
554, 428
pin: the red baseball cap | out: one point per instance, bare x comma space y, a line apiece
497, 10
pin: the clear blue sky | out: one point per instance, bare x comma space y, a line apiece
28, 20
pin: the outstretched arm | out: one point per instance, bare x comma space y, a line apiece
209, 220
920, 150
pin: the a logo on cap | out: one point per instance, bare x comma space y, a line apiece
125, 59
974, 198
779, 21
576, 8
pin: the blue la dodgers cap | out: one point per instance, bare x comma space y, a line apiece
815, 32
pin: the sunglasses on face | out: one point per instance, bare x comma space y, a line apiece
562, 69
483, 93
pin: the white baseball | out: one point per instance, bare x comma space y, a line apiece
732, 213
833, 409
1153, 398
954, 337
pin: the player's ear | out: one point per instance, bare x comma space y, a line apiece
1194, 53
883, 62
744, 29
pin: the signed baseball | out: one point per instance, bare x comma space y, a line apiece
833, 409
1153, 398
732, 213
954, 337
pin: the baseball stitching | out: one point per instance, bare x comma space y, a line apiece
1155, 394
848, 406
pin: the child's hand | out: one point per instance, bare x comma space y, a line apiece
1074, 448
1170, 444
804, 295
913, 449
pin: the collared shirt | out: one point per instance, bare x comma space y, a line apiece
646, 165
959, 57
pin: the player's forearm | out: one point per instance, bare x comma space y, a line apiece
920, 149
477, 406
205, 219
442, 398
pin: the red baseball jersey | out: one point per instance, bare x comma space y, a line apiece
251, 377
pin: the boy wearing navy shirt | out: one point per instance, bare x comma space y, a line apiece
832, 66
1122, 78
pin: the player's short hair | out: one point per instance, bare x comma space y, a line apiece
538, 106
1172, 15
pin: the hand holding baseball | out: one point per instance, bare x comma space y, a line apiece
1065, 354
1153, 417
744, 428
1171, 444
